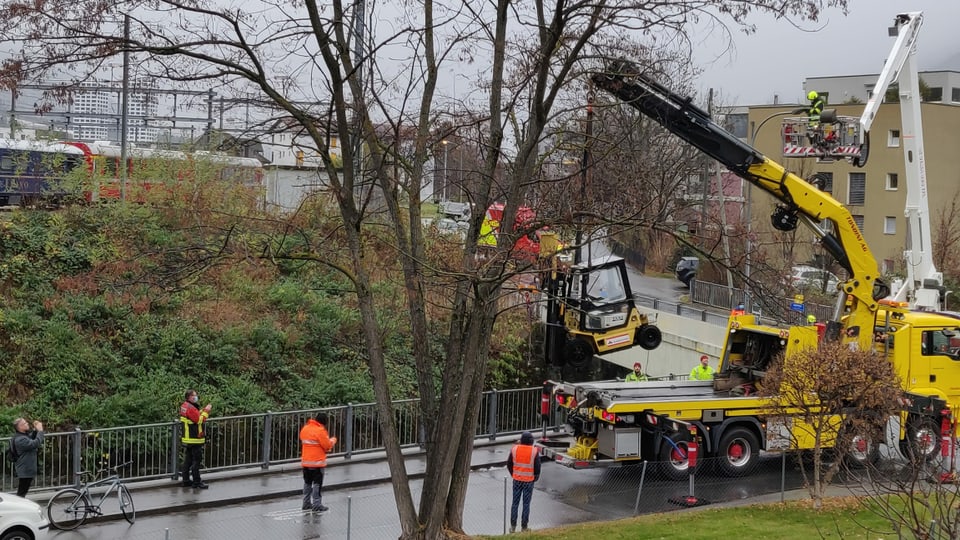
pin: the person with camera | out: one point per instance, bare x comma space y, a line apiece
25, 444
193, 439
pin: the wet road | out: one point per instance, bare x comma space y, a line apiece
562, 496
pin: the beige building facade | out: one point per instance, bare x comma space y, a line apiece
874, 194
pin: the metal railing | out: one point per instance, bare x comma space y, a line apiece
769, 307
682, 310
257, 440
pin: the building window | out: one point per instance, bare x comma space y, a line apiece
955, 95
893, 138
935, 94
858, 219
858, 189
892, 181
890, 225
887, 266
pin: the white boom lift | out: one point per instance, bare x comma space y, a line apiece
849, 138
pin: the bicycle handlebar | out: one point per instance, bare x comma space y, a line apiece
115, 469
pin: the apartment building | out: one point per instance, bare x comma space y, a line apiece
876, 193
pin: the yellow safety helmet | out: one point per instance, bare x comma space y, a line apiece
811, 318
813, 95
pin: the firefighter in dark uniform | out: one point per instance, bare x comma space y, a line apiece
192, 417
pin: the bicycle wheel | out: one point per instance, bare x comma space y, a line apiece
67, 509
126, 504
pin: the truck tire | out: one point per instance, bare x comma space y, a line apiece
673, 456
649, 337
860, 450
738, 451
922, 442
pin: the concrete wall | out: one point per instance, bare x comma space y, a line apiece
684, 340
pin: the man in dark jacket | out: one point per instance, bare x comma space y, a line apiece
26, 443
524, 465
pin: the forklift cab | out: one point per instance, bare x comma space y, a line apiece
599, 312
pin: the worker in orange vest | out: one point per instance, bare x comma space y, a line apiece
524, 465
315, 442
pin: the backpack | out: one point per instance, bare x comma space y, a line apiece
10, 454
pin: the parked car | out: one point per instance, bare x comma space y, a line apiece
811, 278
687, 269
20, 519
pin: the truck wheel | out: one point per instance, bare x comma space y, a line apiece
860, 449
922, 443
649, 337
578, 352
673, 456
738, 451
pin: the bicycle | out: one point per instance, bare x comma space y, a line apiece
69, 507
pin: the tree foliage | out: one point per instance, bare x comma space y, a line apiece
378, 94
838, 397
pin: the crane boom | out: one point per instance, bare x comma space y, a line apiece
798, 199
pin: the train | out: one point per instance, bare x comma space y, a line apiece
39, 172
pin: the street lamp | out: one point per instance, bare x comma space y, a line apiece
446, 149
753, 143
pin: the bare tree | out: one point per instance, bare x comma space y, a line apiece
375, 91
839, 397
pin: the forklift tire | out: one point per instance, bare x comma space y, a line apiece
738, 451
578, 353
649, 337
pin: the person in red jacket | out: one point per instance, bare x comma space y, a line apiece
524, 465
315, 442
193, 438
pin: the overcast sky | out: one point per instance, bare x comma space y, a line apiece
779, 56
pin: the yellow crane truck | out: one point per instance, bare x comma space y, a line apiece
618, 423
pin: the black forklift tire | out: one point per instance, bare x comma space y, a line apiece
649, 337
578, 352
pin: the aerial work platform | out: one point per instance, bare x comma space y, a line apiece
832, 138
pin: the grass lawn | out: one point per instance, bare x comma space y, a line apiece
839, 518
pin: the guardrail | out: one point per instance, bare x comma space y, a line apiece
256, 440
773, 308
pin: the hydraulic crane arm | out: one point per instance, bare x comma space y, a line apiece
798, 199
923, 282
907, 25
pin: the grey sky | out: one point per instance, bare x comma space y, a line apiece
779, 56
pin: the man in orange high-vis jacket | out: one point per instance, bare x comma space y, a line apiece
192, 417
315, 442
524, 465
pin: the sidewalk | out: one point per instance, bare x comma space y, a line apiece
156, 497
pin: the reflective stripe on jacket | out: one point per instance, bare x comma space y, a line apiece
314, 445
524, 456
193, 417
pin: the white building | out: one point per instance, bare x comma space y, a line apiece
295, 168
103, 99
944, 87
